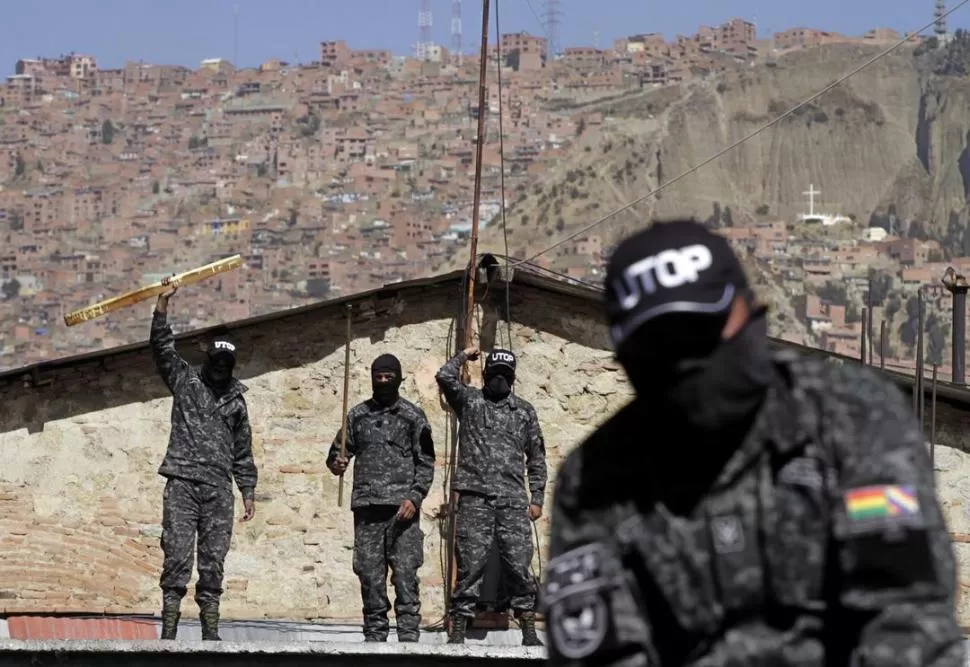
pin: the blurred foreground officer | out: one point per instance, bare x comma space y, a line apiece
209, 446
499, 438
391, 439
750, 507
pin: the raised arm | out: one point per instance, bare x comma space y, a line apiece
897, 574
243, 464
535, 459
423, 451
171, 366
594, 615
449, 380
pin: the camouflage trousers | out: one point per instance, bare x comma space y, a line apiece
479, 522
190, 509
382, 542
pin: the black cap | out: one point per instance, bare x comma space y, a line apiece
386, 363
499, 358
223, 348
670, 267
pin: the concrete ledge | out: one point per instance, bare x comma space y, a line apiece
253, 654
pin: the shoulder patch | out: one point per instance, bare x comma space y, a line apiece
578, 615
882, 505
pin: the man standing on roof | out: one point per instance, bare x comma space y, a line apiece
499, 438
209, 446
391, 439
750, 506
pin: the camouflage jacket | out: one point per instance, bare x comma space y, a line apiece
498, 441
819, 541
394, 451
211, 440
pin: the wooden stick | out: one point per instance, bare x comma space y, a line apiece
135, 296
343, 428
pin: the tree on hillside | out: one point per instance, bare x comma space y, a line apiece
936, 331
909, 329
881, 283
10, 289
107, 132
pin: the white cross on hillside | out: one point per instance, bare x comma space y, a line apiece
811, 192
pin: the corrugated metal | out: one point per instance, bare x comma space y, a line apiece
48, 627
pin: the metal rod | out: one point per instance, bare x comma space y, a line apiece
470, 296
959, 335
867, 322
343, 427
882, 344
862, 343
920, 370
933, 419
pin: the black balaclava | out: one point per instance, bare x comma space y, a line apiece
710, 390
219, 364
499, 375
386, 393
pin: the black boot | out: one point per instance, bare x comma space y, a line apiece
527, 621
210, 624
170, 622
456, 634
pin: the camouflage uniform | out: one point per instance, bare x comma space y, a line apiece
209, 446
821, 541
498, 439
395, 462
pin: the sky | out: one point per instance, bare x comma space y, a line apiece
184, 32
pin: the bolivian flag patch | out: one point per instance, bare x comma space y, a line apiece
882, 502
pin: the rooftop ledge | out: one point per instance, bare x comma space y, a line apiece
156, 652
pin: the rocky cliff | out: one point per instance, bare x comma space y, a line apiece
891, 139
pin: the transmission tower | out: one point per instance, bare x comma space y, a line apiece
940, 21
424, 30
552, 20
456, 30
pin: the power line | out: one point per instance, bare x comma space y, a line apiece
766, 126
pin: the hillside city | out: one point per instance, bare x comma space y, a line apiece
351, 172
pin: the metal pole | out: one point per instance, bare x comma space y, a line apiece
959, 334
882, 344
867, 323
476, 203
933, 420
470, 306
919, 358
862, 344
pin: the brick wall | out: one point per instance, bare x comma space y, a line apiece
80, 497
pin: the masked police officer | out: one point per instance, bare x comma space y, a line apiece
209, 446
500, 439
391, 440
750, 506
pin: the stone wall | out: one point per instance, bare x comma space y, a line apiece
79, 446
80, 497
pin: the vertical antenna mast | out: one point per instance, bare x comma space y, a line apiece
456, 31
553, 19
424, 30
940, 29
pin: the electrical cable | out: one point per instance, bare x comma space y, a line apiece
505, 235
745, 139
